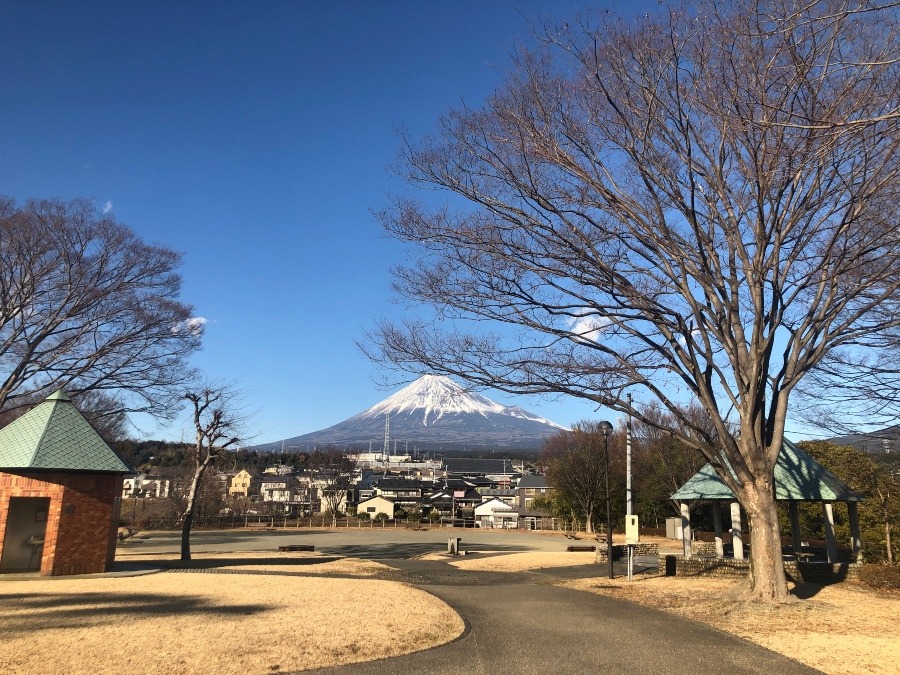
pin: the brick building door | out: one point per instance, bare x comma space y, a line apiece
26, 527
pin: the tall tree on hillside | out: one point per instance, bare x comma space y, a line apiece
87, 306
695, 206
217, 419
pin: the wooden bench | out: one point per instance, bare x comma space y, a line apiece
584, 549
296, 547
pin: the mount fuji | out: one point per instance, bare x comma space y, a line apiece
434, 412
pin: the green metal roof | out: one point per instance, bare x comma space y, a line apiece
55, 436
798, 477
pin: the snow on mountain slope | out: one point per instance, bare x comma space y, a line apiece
434, 396
432, 412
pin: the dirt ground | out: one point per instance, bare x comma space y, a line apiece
192, 622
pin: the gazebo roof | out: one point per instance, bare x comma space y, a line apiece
798, 477
54, 435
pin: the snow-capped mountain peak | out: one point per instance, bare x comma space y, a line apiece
436, 395
436, 412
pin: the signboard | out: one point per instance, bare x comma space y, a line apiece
459, 494
631, 530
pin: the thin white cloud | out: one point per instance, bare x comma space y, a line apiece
107, 207
195, 325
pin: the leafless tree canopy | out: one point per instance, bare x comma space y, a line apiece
575, 464
333, 469
86, 305
699, 205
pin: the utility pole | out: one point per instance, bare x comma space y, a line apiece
629, 506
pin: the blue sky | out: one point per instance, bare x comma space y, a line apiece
255, 138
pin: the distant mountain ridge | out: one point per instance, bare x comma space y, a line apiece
885, 440
433, 412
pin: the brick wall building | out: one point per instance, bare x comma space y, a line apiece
60, 492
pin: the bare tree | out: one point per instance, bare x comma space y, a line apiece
86, 305
575, 465
333, 469
217, 419
663, 463
656, 206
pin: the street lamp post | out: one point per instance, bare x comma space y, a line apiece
606, 428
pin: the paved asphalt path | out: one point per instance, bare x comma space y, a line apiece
520, 623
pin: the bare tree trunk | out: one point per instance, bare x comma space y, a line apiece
188, 519
767, 580
887, 537
186, 524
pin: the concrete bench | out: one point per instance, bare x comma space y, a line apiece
296, 547
584, 549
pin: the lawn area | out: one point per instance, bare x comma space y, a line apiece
291, 611
193, 622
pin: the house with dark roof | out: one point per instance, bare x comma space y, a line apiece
60, 492
530, 487
402, 491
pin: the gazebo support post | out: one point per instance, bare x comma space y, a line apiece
737, 539
830, 544
717, 524
855, 539
686, 528
795, 525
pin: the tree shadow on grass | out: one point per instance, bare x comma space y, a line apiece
225, 561
23, 614
395, 551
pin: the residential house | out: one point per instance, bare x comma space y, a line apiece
496, 514
530, 487
143, 485
403, 492
377, 505
281, 489
506, 495
243, 484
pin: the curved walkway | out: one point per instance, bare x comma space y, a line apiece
522, 623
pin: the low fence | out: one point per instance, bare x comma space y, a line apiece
821, 572
620, 551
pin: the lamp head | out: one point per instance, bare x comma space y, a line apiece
605, 428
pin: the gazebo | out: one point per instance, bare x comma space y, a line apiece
60, 492
798, 478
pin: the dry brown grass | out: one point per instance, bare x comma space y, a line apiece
222, 623
521, 562
843, 629
294, 562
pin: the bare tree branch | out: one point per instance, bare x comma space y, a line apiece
655, 206
86, 305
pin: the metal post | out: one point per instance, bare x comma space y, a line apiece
606, 428
628, 501
629, 509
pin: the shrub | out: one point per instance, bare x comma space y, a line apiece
380, 517
363, 515
885, 577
